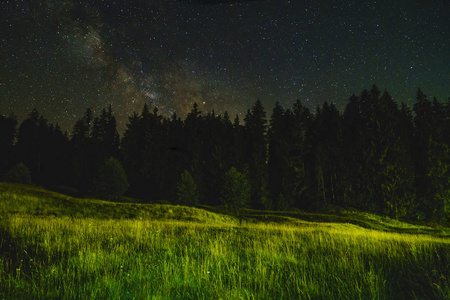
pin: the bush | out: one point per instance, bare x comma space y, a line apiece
284, 203
19, 174
111, 180
236, 190
187, 193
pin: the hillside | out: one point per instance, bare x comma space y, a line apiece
17, 199
53, 246
36, 201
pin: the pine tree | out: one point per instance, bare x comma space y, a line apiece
236, 190
358, 151
104, 135
8, 132
142, 150
187, 193
298, 179
82, 153
32, 136
255, 133
394, 169
327, 149
110, 182
277, 151
378, 169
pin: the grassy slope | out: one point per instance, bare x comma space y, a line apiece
57, 247
30, 200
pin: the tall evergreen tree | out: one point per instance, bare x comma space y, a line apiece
142, 152
288, 152
432, 156
82, 153
277, 152
8, 132
358, 133
55, 169
395, 169
299, 179
104, 135
30, 143
255, 132
327, 148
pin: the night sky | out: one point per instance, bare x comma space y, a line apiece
62, 57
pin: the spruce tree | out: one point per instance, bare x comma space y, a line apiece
82, 153
255, 132
187, 193
236, 190
8, 131
327, 149
110, 181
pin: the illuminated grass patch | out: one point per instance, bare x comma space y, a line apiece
142, 259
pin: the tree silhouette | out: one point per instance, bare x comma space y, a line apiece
19, 174
236, 190
287, 152
110, 181
8, 131
374, 156
327, 135
81, 152
255, 155
187, 193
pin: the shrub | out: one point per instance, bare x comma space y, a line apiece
111, 180
236, 190
187, 193
19, 174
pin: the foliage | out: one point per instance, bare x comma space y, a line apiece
36, 201
289, 151
187, 192
111, 180
236, 190
375, 155
79, 258
19, 174
8, 131
42, 147
255, 149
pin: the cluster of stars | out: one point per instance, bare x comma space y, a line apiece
65, 56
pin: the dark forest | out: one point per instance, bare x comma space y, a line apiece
375, 155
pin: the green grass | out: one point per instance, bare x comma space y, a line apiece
131, 251
17, 199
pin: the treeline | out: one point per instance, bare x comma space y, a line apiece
374, 156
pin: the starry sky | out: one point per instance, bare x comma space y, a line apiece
62, 56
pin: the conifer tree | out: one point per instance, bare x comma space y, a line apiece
277, 151
187, 192
142, 150
327, 149
300, 161
81, 148
110, 182
236, 190
8, 132
255, 132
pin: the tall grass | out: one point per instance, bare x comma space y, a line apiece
65, 258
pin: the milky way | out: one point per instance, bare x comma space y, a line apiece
62, 57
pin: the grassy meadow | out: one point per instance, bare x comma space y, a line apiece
57, 247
